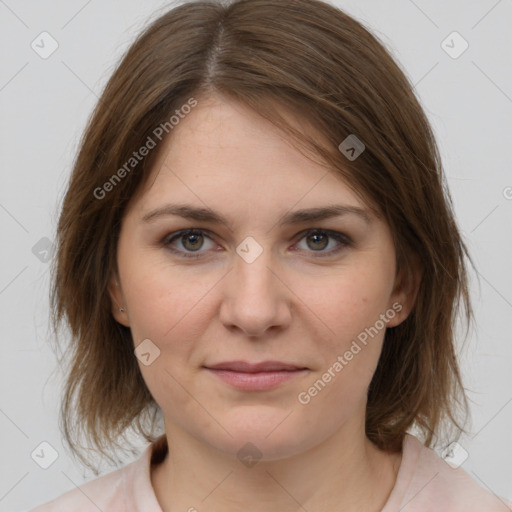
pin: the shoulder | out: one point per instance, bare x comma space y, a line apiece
104, 493
122, 490
431, 484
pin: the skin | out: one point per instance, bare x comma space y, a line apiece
290, 304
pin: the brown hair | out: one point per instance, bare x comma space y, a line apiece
318, 62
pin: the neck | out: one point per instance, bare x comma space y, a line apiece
345, 472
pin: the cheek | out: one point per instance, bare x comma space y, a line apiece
167, 303
349, 302
169, 307
351, 311
350, 305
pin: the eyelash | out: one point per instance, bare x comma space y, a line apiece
343, 240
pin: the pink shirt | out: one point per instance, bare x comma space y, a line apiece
425, 483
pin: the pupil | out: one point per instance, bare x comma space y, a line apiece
316, 237
194, 239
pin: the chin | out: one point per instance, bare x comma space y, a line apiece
264, 434
255, 447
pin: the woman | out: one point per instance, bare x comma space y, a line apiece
257, 244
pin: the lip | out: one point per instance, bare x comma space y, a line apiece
256, 376
246, 367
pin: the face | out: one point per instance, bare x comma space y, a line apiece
312, 294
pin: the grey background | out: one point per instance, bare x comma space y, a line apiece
44, 104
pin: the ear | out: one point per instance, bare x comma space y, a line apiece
117, 301
407, 284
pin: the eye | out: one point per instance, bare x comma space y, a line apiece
318, 240
193, 240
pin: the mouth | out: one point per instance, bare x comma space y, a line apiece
256, 376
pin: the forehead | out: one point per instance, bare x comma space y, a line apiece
223, 154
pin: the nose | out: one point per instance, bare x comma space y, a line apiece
255, 299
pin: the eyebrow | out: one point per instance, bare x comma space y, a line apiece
296, 217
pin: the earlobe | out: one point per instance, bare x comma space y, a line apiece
406, 290
117, 302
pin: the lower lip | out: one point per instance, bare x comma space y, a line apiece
260, 381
